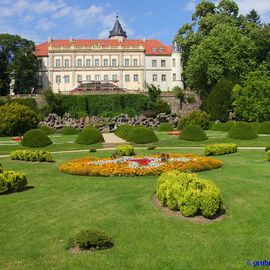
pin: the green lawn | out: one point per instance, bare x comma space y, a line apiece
36, 223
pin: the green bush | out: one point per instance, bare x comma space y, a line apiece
242, 131
12, 181
193, 133
198, 118
28, 102
255, 126
165, 127
69, 131
150, 148
220, 149
122, 131
267, 148
90, 239
219, 102
264, 128
1, 168
162, 107
268, 155
30, 155
227, 126
35, 138
92, 150
89, 135
3, 101
16, 119
47, 130
125, 150
141, 135
189, 194
217, 126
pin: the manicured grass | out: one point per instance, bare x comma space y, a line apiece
36, 223
60, 143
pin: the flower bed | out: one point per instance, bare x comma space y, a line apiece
139, 165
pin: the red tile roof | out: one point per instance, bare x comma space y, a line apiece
152, 47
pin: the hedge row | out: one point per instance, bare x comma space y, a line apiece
189, 194
220, 149
29, 155
102, 104
12, 181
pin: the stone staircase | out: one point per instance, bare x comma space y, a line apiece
112, 141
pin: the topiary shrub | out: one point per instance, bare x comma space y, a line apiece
267, 148
217, 126
198, 118
122, 131
264, 128
141, 135
255, 126
69, 131
125, 150
226, 126
268, 155
242, 131
1, 168
47, 130
220, 149
165, 127
189, 194
89, 135
16, 119
90, 240
193, 133
12, 181
35, 138
30, 155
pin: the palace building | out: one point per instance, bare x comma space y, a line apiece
117, 63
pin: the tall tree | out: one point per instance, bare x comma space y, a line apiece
18, 62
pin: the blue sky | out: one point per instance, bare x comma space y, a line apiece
91, 19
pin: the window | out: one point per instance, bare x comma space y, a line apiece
126, 62
66, 78
127, 78
135, 77
57, 62
114, 77
105, 62
88, 63
114, 62
97, 78
163, 77
79, 78
79, 62
181, 62
66, 62
154, 49
40, 63
88, 78
106, 77
135, 62
58, 79
154, 63
39, 80
161, 49
154, 78
96, 62
174, 77
173, 62
163, 63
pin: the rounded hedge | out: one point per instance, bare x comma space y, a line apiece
217, 126
89, 135
47, 130
225, 127
141, 135
16, 119
69, 131
165, 127
90, 239
122, 131
189, 194
264, 128
193, 133
242, 131
35, 138
255, 126
124, 150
